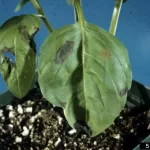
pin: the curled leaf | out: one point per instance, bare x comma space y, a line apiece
16, 37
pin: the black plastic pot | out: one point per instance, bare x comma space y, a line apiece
138, 96
8, 97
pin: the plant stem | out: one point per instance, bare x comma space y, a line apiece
79, 12
71, 3
115, 17
40, 11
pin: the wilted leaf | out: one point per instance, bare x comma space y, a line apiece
21, 4
16, 37
87, 74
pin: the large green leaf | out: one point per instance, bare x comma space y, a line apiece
87, 74
16, 37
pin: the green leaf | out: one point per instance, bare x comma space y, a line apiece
70, 2
16, 37
21, 4
87, 74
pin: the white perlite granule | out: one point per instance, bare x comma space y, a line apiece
65, 145
10, 126
19, 109
57, 142
1, 113
116, 136
59, 120
3, 119
11, 114
25, 131
95, 142
9, 107
72, 131
28, 110
75, 143
18, 139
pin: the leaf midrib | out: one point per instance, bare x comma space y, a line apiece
83, 62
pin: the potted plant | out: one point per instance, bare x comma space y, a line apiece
76, 98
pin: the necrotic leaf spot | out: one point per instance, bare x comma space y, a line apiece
123, 92
64, 51
81, 125
105, 53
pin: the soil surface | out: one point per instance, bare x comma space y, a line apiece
34, 124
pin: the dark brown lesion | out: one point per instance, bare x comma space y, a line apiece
64, 51
63, 104
28, 38
82, 126
24, 33
123, 91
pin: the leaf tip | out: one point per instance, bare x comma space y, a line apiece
17, 8
70, 2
